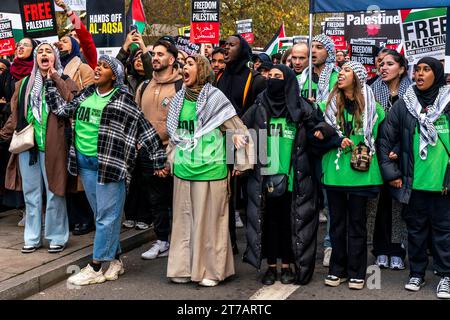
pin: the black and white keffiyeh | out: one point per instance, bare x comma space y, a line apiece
381, 91
213, 109
33, 96
324, 78
428, 134
369, 116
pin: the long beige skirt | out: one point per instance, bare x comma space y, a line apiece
200, 246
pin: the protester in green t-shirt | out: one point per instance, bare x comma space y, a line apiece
281, 183
199, 115
419, 170
108, 130
354, 114
43, 168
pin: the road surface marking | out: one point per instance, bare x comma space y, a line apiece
277, 291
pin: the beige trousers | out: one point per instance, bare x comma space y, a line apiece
200, 246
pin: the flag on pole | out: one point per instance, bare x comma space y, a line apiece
135, 15
274, 44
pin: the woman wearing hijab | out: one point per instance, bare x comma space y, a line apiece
281, 113
108, 128
199, 115
355, 116
43, 168
80, 72
389, 228
80, 214
419, 124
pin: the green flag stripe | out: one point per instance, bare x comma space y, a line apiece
426, 14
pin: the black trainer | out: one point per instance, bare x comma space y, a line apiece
287, 276
270, 276
29, 249
56, 248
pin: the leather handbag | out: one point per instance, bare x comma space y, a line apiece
361, 158
276, 185
22, 140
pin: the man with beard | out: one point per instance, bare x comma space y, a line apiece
150, 195
340, 58
241, 86
218, 63
300, 58
325, 72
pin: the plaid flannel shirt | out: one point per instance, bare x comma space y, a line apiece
122, 127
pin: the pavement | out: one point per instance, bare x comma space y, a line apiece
147, 280
22, 275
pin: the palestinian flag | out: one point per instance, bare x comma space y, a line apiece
135, 15
274, 44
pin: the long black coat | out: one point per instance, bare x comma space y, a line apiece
304, 213
397, 134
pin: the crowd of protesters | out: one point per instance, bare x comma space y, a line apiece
187, 144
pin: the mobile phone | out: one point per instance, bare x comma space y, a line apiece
133, 27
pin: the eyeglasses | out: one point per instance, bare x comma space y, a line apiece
25, 45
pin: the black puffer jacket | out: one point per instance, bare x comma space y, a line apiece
304, 214
397, 133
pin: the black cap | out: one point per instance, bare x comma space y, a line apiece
168, 39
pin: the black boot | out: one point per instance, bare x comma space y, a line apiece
287, 276
270, 276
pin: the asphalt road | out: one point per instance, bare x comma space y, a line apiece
144, 279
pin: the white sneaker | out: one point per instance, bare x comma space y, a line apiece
239, 223
115, 270
382, 261
129, 224
86, 276
397, 263
414, 284
208, 283
180, 279
22, 221
159, 249
142, 226
327, 256
323, 215
443, 288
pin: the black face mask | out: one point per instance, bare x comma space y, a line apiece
275, 87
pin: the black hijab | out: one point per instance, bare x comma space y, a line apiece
427, 97
232, 83
286, 101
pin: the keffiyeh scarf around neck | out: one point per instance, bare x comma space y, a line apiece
324, 81
369, 118
428, 133
381, 91
212, 109
35, 84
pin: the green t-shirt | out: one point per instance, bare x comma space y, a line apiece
207, 161
304, 90
429, 173
346, 176
40, 129
280, 139
87, 122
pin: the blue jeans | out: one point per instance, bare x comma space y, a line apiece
34, 179
326, 239
107, 202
